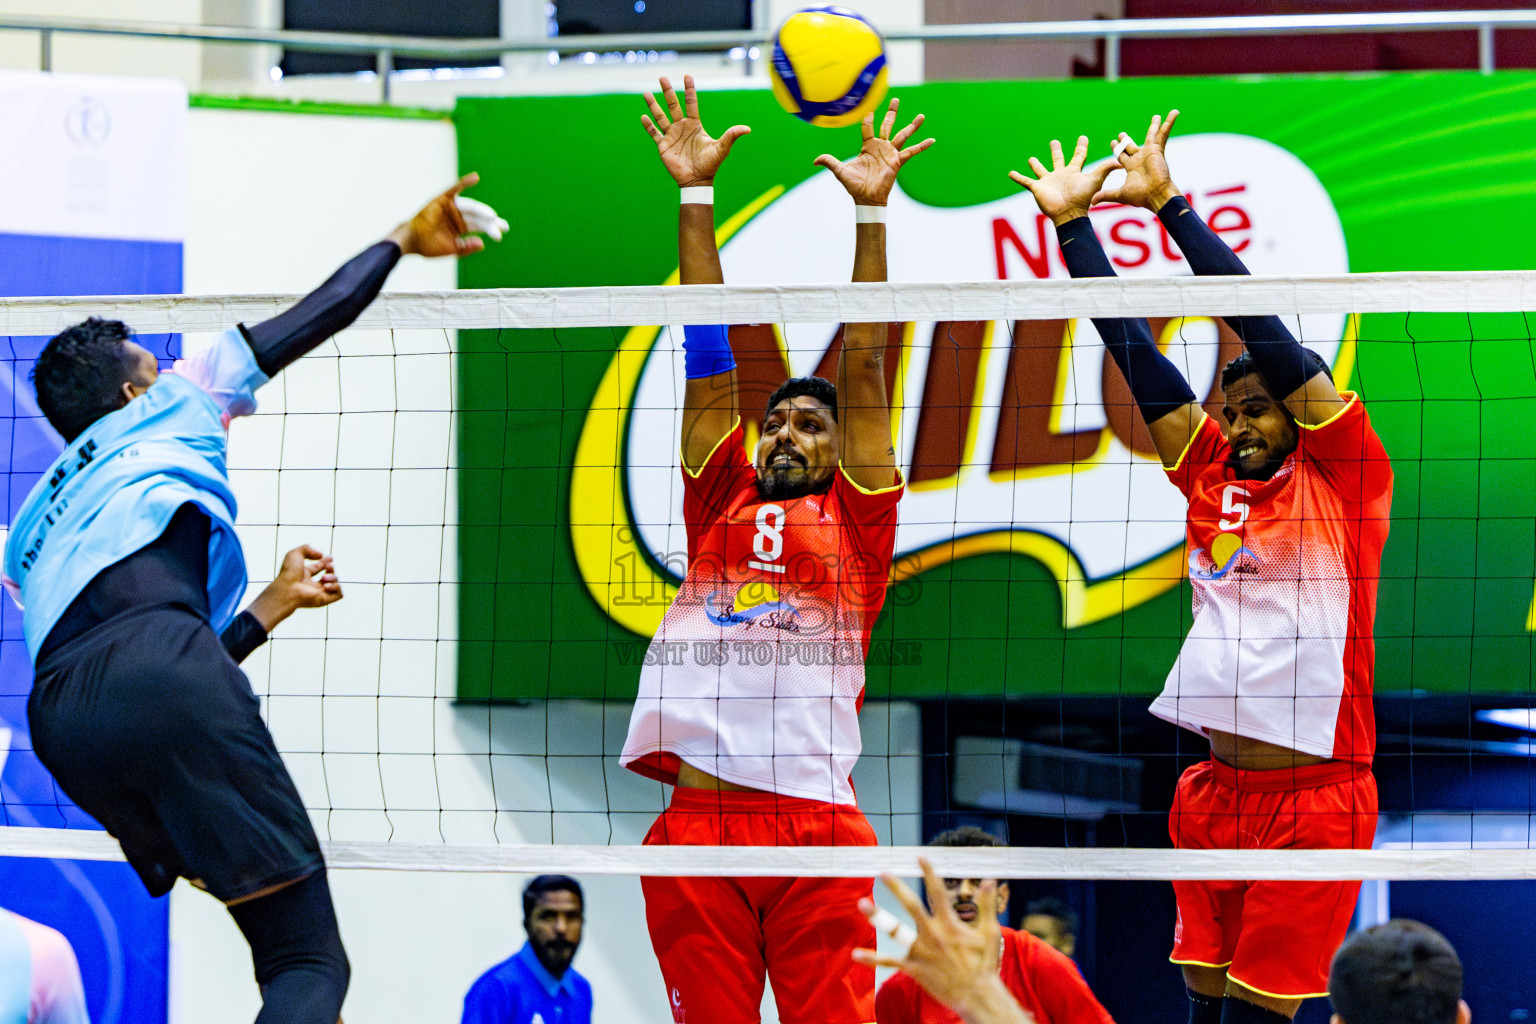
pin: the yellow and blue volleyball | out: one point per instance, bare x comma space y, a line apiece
828, 66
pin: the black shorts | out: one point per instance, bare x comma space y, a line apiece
150, 728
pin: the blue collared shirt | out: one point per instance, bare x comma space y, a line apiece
520, 991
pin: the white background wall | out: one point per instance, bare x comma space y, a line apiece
276, 202
228, 69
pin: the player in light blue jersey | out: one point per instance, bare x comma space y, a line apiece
126, 561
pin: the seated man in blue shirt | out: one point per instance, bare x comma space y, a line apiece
538, 984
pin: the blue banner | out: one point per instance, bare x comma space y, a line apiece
108, 222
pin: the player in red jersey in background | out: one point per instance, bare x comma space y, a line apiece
1289, 505
1045, 982
788, 558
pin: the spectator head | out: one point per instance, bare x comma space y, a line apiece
553, 912
963, 890
1401, 972
1053, 922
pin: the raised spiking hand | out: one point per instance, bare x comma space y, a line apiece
688, 152
870, 176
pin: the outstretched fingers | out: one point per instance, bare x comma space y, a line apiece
1101, 171
1057, 160
912, 151
659, 117
943, 909
830, 162
669, 95
731, 135
690, 98
901, 137
889, 121
1167, 128
1079, 153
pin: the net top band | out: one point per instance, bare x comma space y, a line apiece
1445, 863
553, 308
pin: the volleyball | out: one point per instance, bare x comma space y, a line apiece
828, 66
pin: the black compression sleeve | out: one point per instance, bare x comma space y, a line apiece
242, 636
1155, 382
1281, 360
279, 342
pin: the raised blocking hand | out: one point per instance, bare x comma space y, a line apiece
687, 151
1148, 183
870, 176
1066, 191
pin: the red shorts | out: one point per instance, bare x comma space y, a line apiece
717, 938
1276, 938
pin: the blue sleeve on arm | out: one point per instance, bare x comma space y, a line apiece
1281, 360
706, 350
1157, 385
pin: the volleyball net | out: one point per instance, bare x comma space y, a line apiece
496, 475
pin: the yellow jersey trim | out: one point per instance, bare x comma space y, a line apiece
1185, 453
735, 426
1350, 398
879, 490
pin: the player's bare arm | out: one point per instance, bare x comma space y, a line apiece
1149, 184
693, 157
868, 456
1065, 193
953, 961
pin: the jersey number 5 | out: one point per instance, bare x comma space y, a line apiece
1229, 507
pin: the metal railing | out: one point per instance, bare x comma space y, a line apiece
385, 49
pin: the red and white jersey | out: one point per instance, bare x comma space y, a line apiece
1284, 574
756, 675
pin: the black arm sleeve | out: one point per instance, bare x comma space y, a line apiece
1280, 359
279, 342
1156, 384
242, 636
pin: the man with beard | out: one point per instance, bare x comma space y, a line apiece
1044, 981
1289, 504
788, 558
538, 985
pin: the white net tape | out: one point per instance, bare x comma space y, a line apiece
861, 862
522, 308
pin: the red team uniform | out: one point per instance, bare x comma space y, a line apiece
1044, 981
1281, 649
756, 676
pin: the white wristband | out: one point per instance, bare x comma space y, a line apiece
869, 215
704, 195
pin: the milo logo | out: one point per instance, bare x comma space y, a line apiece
1014, 437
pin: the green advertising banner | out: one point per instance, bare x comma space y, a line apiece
1041, 549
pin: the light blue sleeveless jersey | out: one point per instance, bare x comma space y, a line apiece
15, 972
116, 487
